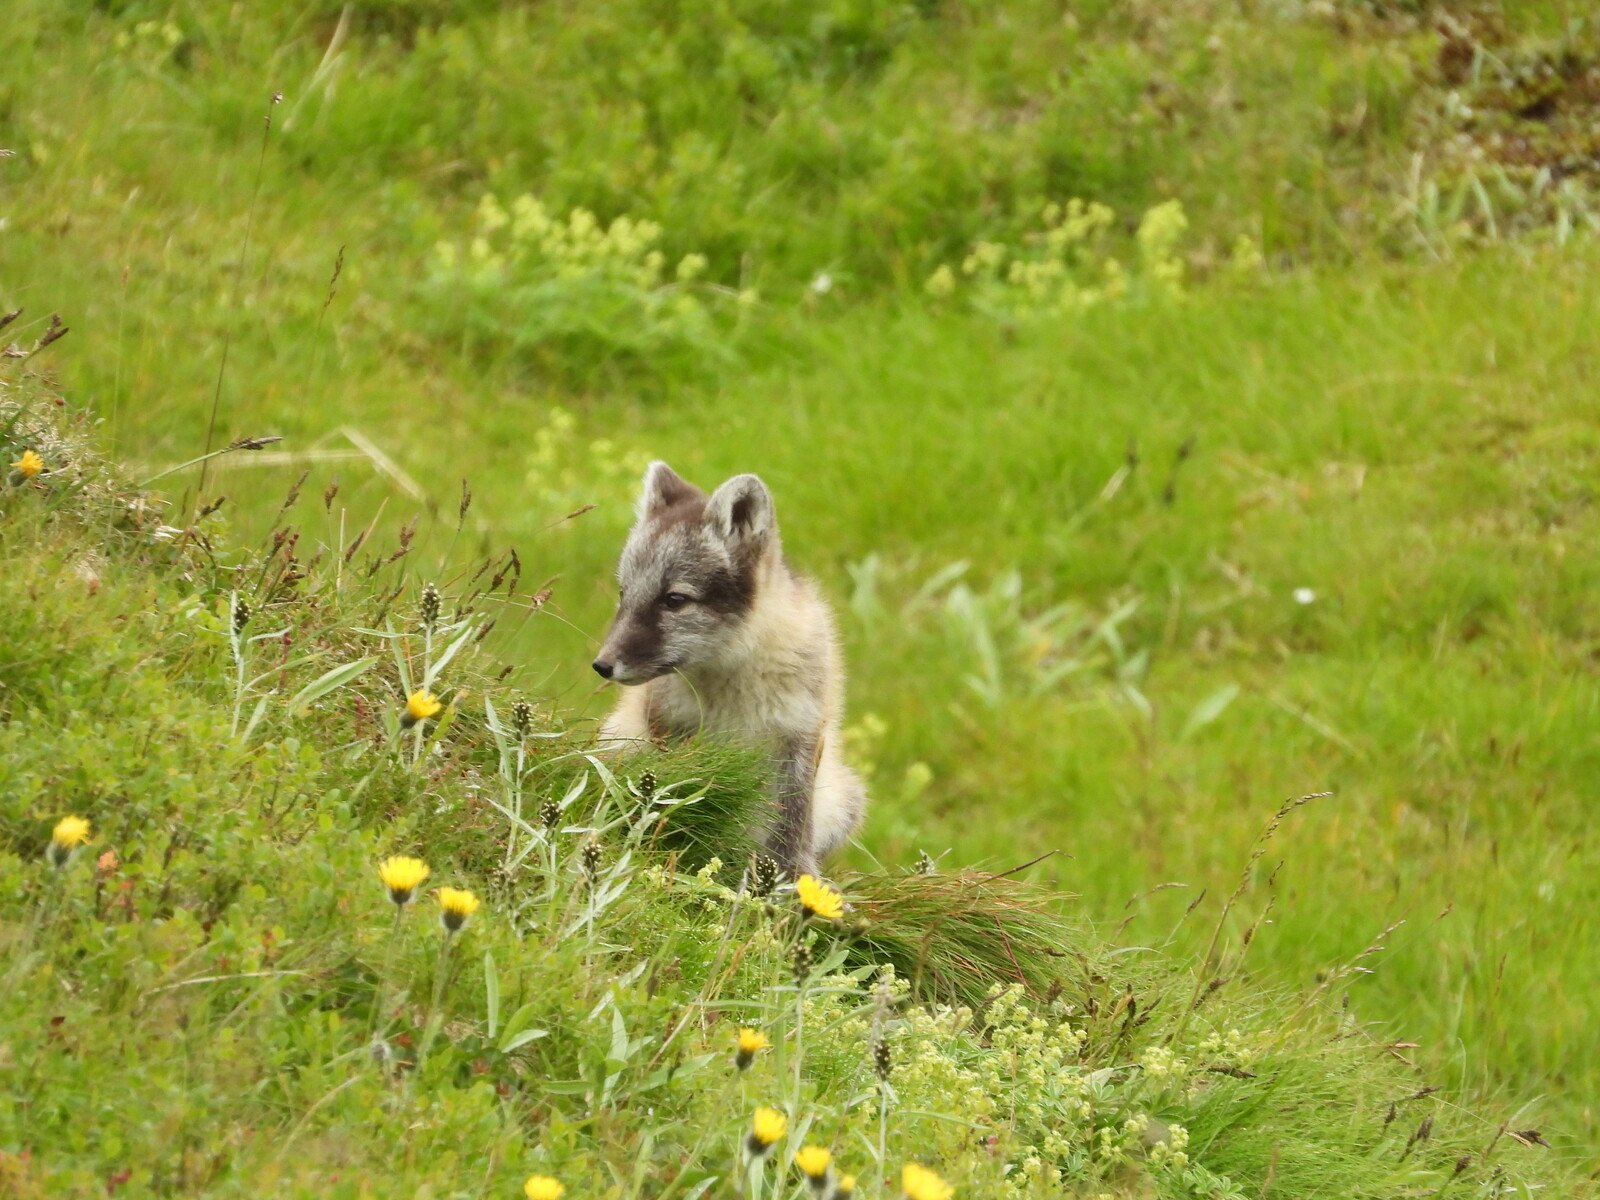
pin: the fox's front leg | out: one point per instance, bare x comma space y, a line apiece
793, 789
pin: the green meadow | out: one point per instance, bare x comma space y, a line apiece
1267, 468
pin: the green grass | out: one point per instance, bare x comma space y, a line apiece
1388, 415
216, 995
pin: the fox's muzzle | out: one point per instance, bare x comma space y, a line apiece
632, 652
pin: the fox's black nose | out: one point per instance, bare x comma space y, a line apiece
603, 668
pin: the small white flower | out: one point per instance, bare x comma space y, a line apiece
822, 284
1304, 595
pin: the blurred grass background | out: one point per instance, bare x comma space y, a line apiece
1114, 576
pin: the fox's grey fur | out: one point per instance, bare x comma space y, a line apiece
715, 633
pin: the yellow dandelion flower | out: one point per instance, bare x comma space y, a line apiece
70, 832
402, 876
543, 1187
818, 899
751, 1042
844, 1186
29, 465
456, 905
813, 1162
67, 836
919, 1183
421, 705
766, 1127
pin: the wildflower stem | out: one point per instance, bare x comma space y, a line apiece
383, 978
199, 458
440, 972
799, 1035
514, 786
236, 644
883, 1128
427, 668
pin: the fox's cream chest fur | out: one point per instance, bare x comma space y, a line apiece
715, 635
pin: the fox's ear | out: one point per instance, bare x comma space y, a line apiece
663, 487
742, 510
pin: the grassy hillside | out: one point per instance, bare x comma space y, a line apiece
218, 981
1267, 468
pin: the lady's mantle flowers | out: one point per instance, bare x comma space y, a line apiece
766, 1127
751, 1042
402, 876
818, 899
421, 705
455, 906
67, 836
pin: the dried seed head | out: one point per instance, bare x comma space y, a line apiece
647, 785
550, 814
241, 614
591, 859
55, 333
801, 963
522, 717
763, 875
430, 606
882, 1059
925, 865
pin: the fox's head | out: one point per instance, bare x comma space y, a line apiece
689, 574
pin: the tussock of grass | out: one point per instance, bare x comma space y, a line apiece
954, 935
217, 997
713, 800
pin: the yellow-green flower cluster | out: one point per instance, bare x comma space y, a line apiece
529, 240
563, 469
1171, 1152
1228, 1049
1064, 267
1160, 231
152, 42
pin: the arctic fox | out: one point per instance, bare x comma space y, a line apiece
715, 633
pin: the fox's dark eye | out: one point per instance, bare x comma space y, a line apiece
673, 601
